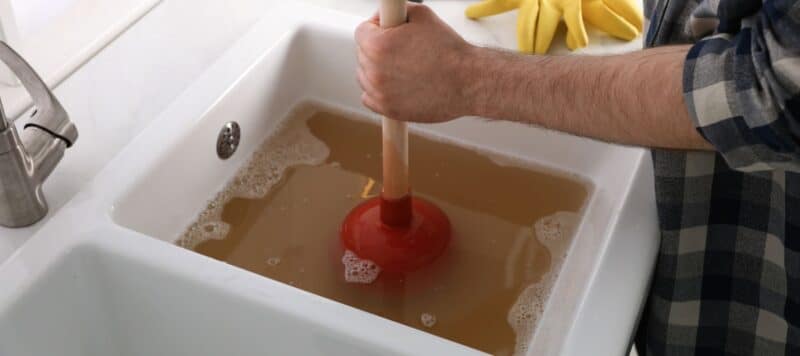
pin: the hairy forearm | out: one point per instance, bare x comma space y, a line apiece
633, 99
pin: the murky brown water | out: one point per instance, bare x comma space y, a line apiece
511, 226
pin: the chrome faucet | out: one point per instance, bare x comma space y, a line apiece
26, 160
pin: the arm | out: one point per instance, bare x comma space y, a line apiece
633, 99
424, 72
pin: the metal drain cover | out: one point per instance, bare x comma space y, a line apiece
228, 140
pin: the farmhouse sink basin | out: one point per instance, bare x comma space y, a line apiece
104, 276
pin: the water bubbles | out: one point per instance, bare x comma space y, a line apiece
210, 227
291, 144
274, 261
527, 310
549, 228
554, 232
203, 230
357, 270
555, 227
427, 320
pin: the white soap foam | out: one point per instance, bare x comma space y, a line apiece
554, 232
291, 144
428, 320
357, 270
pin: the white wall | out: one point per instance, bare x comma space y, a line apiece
8, 33
31, 15
57, 36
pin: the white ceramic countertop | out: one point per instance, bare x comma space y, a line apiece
118, 92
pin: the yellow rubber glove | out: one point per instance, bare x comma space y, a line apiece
619, 18
538, 19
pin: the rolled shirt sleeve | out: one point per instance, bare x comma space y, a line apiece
742, 86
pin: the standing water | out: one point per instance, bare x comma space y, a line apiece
512, 224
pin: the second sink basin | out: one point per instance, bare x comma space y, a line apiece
103, 298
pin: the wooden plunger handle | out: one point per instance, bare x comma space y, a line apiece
395, 133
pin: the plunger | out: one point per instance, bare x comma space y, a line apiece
399, 232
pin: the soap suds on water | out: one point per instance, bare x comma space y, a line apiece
290, 144
428, 320
554, 232
357, 270
555, 228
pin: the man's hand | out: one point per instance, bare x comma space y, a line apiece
413, 72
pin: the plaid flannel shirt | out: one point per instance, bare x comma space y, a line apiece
727, 279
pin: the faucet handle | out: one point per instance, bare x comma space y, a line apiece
50, 115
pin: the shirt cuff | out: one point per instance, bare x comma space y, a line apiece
731, 108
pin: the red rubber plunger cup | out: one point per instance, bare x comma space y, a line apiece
397, 231
397, 248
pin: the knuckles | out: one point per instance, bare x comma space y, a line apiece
376, 45
375, 49
381, 47
379, 80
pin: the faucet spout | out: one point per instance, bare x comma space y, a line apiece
26, 162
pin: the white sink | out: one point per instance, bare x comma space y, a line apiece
103, 277
98, 299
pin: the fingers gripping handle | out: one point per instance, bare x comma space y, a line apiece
395, 133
